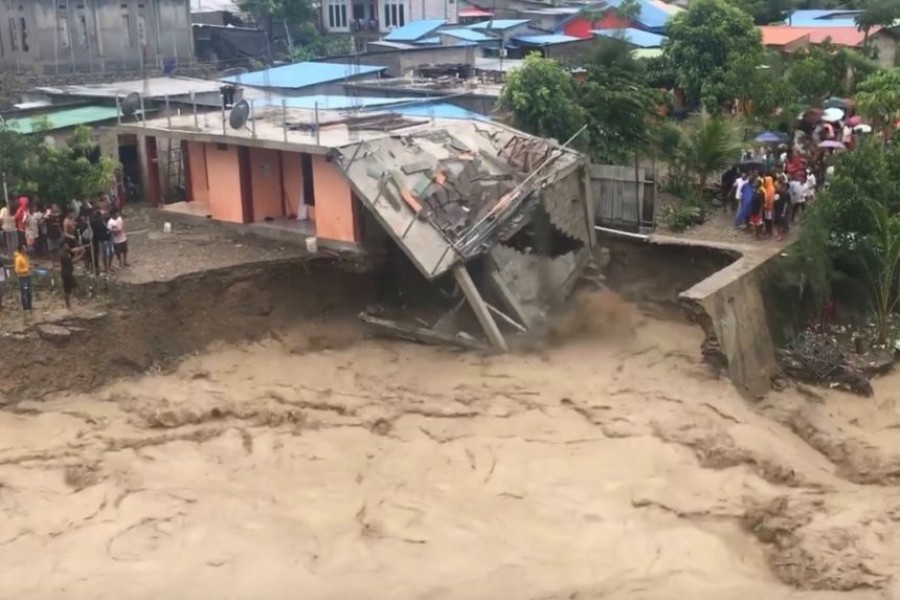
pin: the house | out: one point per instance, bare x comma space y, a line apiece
823, 18
304, 78
374, 17
215, 12
784, 39
450, 194
653, 16
96, 36
789, 38
548, 45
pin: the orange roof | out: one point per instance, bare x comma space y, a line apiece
773, 35
782, 35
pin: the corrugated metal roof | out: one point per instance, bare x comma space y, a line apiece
301, 75
839, 36
438, 110
647, 52
499, 24
466, 13
469, 35
635, 37
415, 30
823, 23
429, 40
549, 39
650, 15
812, 15
776, 36
63, 119
329, 102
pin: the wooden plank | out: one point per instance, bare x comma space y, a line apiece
479, 307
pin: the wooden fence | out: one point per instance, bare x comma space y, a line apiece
624, 198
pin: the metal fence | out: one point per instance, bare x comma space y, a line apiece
624, 197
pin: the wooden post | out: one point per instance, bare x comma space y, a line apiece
479, 307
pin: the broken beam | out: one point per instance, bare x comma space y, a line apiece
479, 307
419, 334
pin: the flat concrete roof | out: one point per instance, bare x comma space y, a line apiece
152, 87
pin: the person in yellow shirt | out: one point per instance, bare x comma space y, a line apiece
23, 274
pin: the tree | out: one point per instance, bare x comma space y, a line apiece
759, 86
765, 12
710, 144
703, 41
541, 98
619, 106
629, 10
269, 12
59, 173
881, 258
878, 97
877, 13
16, 150
812, 73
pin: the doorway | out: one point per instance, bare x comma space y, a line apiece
129, 158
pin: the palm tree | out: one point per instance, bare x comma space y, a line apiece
881, 257
710, 144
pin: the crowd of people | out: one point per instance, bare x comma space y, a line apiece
90, 233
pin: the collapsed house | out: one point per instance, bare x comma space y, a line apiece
506, 215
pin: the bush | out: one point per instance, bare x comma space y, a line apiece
685, 214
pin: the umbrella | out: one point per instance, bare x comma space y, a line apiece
832, 144
752, 165
833, 114
863, 128
854, 121
835, 102
770, 137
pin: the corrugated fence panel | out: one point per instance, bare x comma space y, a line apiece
619, 202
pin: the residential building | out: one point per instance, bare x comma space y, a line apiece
788, 39
97, 36
375, 17
451, 194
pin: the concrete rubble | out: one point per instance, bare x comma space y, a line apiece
508, 214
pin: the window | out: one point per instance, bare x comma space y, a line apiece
62, 32
82, 31
337, 14
24, 39
142, 30
394, 14
13, 35
126, 28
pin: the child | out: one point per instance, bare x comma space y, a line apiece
23, 273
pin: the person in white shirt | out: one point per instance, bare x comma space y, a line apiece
116, 227
798, 198
738, 184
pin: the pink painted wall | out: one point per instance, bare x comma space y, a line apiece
266, 183
293, 180
224, 176
334, 207
199, 181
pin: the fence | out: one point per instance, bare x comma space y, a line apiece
624, 198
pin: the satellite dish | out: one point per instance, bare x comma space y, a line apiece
235, 72
131, 104
239, 115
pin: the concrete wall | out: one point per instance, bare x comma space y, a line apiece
401, 62
433, 9
196, 156
65, 36
265, 179
224, 174
293, 181
334, 202
887, 49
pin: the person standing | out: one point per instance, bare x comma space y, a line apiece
23, 273
8, 225
798, 198
2, 284
736, 188
120, 241
68, 254
20, 217
53, 226
101, 242
769, 203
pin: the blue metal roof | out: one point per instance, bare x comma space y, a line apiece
822, 15
499, 24
549, 39
438, 110
469, 35
650, 16
414, 30
429, 40
301, 75
635, 37
823, 23
329, 102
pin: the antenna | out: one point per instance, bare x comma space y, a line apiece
239, 115
131, 104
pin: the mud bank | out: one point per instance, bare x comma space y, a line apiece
150, 326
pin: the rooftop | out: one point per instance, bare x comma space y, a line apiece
469, 35
500, 24
780, 35
651, 15
635, 37
301, 75
777, 36
550, 39
821, 15
63, 119
415, 30
153, 87
473, 12
208, 6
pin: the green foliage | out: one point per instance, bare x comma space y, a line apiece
877, 13
15, 151
809, 265
765, 12
629, 10
685, 214
878, 97
266, 12
880, 254
703, 42
709, 144
758, 84
58, 174
541, 99
814, 74
619, 106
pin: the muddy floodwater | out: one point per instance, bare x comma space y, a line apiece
319, 464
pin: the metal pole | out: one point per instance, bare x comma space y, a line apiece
118, 110
317, 123
252, 121
284, 124
143, 113
223, 118
168, 114
194, 105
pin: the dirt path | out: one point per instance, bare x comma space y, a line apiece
323, 465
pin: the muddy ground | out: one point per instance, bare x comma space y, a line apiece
253, 442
